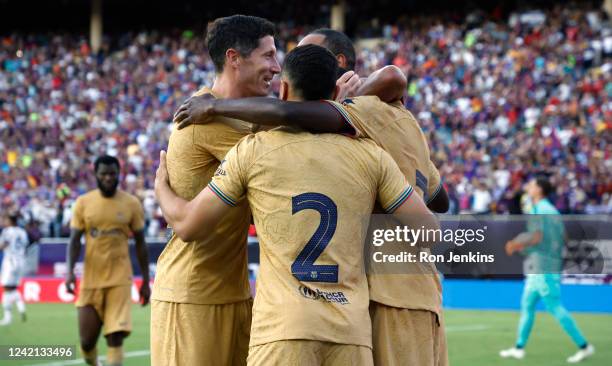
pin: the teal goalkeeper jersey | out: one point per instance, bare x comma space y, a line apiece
546, 256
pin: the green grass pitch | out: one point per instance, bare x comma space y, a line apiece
474, 337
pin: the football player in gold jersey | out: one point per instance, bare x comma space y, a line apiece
311, 196
201, 304
393, 128
106, 216
388, 83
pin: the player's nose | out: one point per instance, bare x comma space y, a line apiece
275, 67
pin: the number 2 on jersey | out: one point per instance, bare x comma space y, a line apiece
303, 268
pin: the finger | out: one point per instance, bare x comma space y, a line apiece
181, 116
184, 123
345, 77
162, 159
181, 108
354, 82
161, 169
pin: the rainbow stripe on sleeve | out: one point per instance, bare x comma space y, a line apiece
399, 200
224, 197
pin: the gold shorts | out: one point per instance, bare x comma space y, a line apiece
206, 335
309, 353
407, 337
113, 305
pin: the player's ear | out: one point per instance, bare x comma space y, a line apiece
232, 58
341, 61
283, 93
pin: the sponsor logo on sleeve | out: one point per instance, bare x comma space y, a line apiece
221, 169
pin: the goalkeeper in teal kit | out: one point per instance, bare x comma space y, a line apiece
542, 246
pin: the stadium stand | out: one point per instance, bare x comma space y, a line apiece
500, 99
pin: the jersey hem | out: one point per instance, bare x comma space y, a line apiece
230, 300
96, 287
356, 341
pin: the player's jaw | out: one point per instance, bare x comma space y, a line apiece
107, 187
107, 178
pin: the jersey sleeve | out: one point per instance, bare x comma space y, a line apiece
229, 182
535, 223
351, 116
77, 221
365, 114
434, 183
138, 222
393, 189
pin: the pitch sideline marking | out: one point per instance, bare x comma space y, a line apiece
80, 361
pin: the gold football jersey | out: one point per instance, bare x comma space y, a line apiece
311, 197
213, 270
107, 223
396, 130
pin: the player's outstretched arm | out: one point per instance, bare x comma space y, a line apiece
142, 254
522, 241
190, 220
388, 84
72, 255
316, 116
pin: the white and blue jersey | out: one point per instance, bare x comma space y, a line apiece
16, 241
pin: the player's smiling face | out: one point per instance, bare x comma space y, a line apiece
257, 70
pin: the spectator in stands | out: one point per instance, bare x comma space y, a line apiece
500, 100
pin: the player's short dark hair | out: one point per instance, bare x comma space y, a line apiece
544, 185
311, 70
338, 43
106, 160
240, 32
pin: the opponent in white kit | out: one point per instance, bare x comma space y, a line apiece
13, 241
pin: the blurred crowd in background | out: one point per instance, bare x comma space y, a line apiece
500, 99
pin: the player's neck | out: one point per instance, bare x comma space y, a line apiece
224, 87
536, 200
